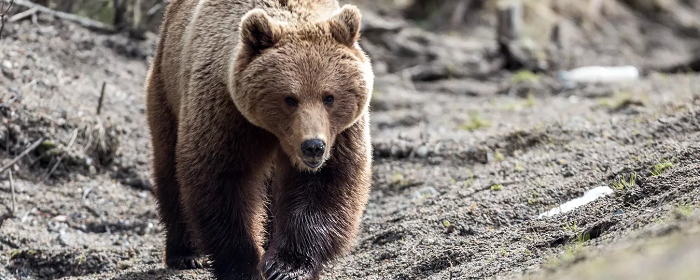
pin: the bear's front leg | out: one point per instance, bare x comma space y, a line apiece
222, 165
316, 215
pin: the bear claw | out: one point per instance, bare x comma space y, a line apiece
275, 271
185, 262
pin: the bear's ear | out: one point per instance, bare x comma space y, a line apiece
345, 25
258, 31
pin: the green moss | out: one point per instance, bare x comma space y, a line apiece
498, 156
525, 76
475, 122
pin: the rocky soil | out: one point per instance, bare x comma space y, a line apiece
467, 155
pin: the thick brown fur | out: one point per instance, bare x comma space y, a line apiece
223, 125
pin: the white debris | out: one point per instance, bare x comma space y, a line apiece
600, 74
587, 197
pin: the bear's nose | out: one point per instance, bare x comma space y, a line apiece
313, 148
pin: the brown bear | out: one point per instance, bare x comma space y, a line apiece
249, 95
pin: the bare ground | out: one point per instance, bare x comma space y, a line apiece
462, 169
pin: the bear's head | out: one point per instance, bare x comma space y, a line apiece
304, 83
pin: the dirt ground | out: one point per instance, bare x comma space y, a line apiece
463, 165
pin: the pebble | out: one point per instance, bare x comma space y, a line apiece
138, 182
146, 229
123, 265
60, 218
44, 83
400, 149
422, 151
567, 172
93, 171
64, 240
427, 192
6, 64
7, 70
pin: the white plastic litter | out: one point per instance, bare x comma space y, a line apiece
600, 74
587, 197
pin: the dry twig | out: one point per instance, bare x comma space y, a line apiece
102, 96
2, 16
20, 156
12, 193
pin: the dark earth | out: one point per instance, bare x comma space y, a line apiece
466, 154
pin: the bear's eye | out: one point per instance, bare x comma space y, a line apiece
291, 102
328, 100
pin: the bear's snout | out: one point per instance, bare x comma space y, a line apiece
313, 150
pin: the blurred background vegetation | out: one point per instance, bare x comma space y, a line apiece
135, 15
435, 15
617, 27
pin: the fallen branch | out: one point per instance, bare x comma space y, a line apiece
26, 152
58, 162
85, 22
23, 15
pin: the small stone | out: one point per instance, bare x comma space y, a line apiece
567, 173
93, 171
618, 212
427, 192
146, 229
7, 70
44, 83
123, 265
400, 149
60, 218
64, 240
422, 151
138, 182
396, 179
